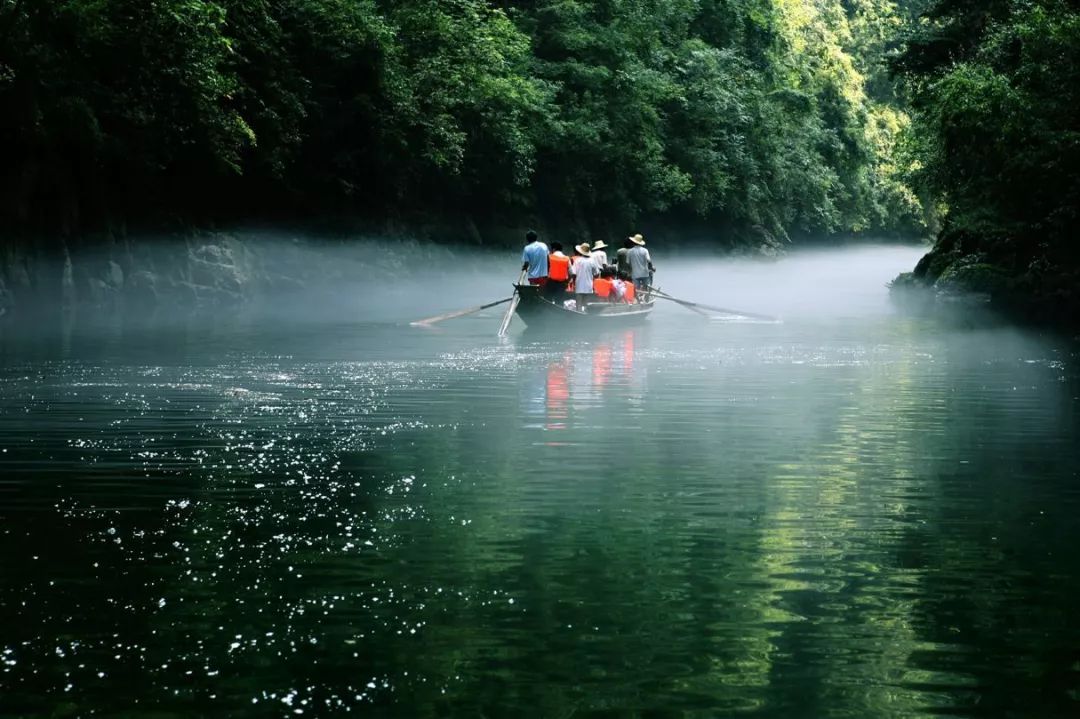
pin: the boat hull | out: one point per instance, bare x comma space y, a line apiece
535, 310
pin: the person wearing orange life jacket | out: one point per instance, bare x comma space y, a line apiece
602, 288
603, 285
558, 273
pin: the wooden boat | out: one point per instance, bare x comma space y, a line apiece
535, 310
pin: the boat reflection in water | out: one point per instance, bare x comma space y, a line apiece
596, 377
557, 393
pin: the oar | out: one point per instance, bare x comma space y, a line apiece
459, 313
697, 306
687, 305
513, 306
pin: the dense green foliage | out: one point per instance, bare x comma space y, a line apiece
995, 87
766, 116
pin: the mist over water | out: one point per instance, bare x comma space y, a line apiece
305, 506
316, 281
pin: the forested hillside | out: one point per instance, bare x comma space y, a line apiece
995, 92
764, 118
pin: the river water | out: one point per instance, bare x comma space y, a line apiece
854, 512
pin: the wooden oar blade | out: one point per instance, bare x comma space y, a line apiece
741, 313
459, 313
505, 326
687, 305
509, 316
697, 306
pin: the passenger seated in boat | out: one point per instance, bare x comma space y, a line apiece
618, 288
558, 273
602, 285
629, 294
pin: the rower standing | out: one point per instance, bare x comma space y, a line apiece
622, 261
584, 271
641, 266
534, 259
599, 257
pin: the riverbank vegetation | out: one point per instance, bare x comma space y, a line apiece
762, 118
995, 98
743, 123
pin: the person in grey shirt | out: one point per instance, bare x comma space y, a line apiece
641, 266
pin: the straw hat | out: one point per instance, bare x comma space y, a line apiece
599, 245
583, 248
637, 239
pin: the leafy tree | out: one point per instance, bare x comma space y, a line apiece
753, 115
997, 130
103, 99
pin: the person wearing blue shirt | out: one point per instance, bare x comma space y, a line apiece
534, 259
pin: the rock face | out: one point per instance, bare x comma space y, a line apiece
1017, 275
969, 274
7, 301
256, 271
207, 271
203, 271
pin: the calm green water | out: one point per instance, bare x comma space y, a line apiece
853, 513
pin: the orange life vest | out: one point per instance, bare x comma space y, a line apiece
631, 292
558, 268
602, 287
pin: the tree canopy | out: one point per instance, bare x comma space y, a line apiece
767, 116
994, 87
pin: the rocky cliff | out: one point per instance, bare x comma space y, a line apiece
1021, 276
197, 271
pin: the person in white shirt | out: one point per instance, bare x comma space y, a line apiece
584, 271
599, 257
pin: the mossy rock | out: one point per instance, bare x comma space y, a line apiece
905, 281
973, 277
931, 266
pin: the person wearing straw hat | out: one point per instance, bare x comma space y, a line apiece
641, 266
574, 258
599, 257
584, 271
